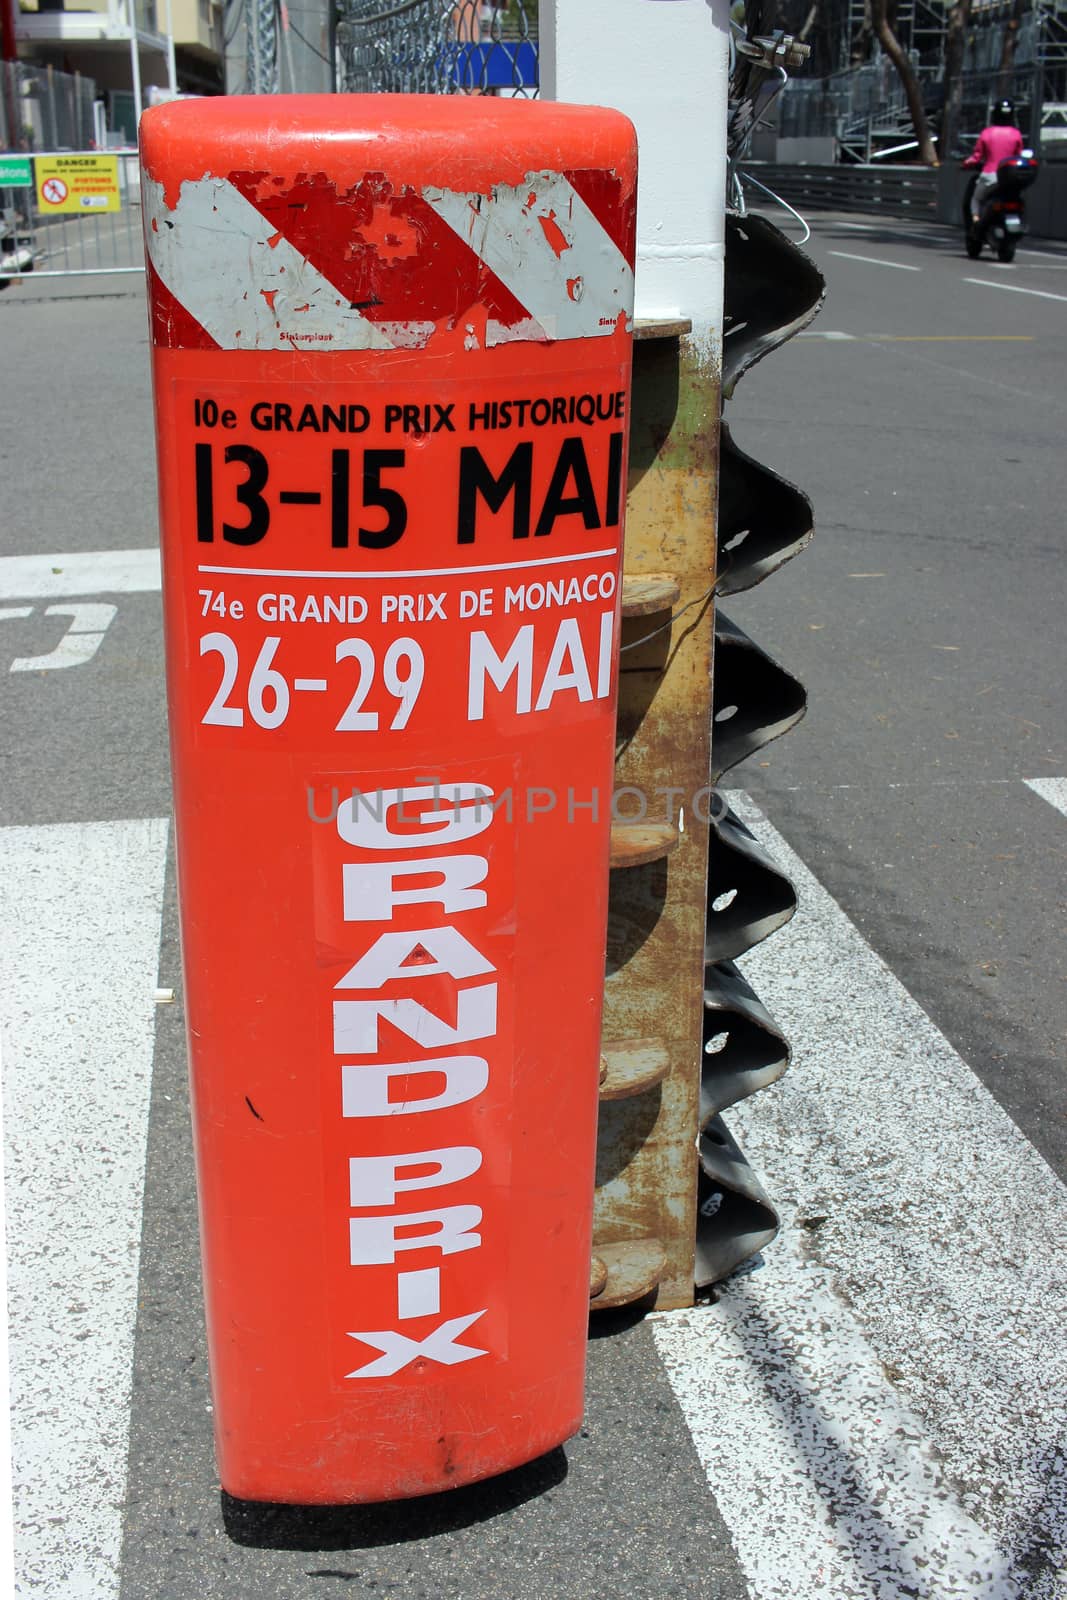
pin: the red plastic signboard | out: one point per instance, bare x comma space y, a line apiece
391, 345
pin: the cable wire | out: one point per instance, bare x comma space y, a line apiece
746, 177
307, 42
671, 620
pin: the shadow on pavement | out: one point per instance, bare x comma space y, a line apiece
285, 1527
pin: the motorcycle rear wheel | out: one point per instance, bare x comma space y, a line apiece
1006, 250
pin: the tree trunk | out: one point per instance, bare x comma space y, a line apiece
959, 18
1006, 74
859, 45
889, 42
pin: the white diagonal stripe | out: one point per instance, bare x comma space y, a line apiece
879, 1403
250, 289
543, 242
79, 935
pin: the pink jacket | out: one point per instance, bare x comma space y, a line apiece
995, 144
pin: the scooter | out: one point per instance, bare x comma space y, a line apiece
1002, 222
15, 255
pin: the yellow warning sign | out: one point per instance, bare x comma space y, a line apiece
84, 183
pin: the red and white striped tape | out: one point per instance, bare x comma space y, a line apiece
244, 268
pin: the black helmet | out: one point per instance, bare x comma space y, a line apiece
1004, 113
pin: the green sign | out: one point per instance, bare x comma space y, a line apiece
16, 172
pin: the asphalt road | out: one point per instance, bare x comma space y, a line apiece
924, 414
929, 441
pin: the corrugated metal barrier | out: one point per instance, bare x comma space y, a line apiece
891, 191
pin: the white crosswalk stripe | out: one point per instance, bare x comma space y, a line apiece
879, 1406
877, 1402
1054, 790
79, 934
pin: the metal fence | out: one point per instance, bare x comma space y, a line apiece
398, 46
890, 191
825, 106
438, 47
42, 109
37, 237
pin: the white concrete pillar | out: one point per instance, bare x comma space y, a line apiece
664, 63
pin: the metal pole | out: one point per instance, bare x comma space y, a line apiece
172, 67
9, 68
135, 62
1037, 88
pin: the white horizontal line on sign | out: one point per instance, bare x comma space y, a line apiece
875, 261
413, 572
1015, 288
51, 577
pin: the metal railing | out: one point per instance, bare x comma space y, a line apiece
72, 244
824, 106
891, 191
42, 109
403, 46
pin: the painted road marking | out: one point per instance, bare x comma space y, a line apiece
1016, 288
1054, 790
79, 930
924, 338
57, 577
78, 645
890, 1379
7, 1552
950, 338
948, 236
875, 261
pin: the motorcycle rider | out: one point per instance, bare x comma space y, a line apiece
1000, 141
